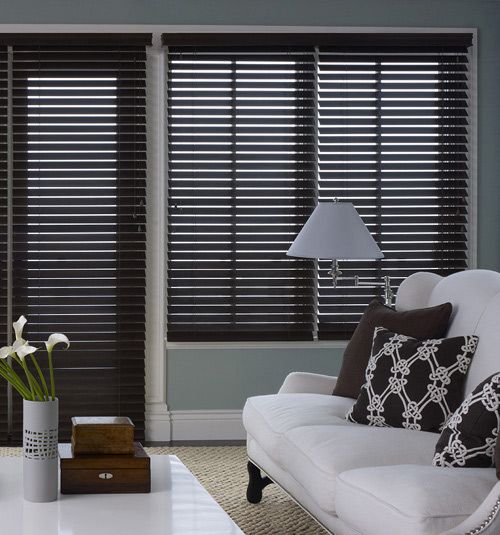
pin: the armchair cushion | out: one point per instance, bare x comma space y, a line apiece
422, 323
315, 455
268, 418
410, 499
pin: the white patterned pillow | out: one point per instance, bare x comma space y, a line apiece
410, 383
469, 437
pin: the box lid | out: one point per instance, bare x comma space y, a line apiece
93, 421
139, 459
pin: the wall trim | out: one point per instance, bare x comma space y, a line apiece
158, 422
207, 425
163, 425
157, 425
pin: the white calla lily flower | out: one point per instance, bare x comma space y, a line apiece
35, 387
6, 352
56, 338
19, 326
18, 343
24, 350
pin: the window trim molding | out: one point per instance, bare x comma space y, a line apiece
299, 344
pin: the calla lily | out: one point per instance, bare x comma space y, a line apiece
6, 351
24, 350
19, 326
18, 343
54, 339
36, 388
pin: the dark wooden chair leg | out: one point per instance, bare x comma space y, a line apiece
256, 483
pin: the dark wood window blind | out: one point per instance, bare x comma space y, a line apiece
241, 184
261, 127
393, 140
4, 218
79, 164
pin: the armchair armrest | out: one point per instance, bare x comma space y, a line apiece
485, 520
310, 383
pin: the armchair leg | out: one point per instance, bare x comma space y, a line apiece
256, 483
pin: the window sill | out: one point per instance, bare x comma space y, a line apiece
318, 344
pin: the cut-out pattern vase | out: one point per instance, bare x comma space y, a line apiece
40, 456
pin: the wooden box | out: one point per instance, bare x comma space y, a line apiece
101, 474
102, 435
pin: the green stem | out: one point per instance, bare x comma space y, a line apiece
24, 392
42, 378
26, 371
11, 376
33, 383
51, 372
36, 386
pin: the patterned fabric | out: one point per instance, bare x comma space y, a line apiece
470, 435
410, 383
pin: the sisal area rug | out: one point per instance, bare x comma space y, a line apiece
222, 471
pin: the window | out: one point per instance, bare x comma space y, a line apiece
261, 127
75, 184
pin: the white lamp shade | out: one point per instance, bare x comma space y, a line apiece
335, 231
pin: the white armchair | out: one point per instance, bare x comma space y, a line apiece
307, 383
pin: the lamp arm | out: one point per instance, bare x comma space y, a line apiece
336, 274
386, 284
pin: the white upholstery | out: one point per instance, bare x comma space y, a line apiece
283, 478
410, 499
268, 417
304, 382
415, 290
469, 292
486, 360
488, 512
316, 455
361, 480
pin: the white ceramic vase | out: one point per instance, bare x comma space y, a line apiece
40, 455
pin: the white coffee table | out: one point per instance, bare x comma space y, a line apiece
177, 505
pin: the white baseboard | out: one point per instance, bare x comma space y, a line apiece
163, 425
207, 425
157, 426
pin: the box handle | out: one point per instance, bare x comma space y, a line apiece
106, 475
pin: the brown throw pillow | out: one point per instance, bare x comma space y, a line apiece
421, 323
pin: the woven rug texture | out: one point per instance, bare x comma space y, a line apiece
222, 471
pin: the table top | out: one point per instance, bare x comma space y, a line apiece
177, 505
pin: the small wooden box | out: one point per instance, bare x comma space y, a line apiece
104, 474
113, 435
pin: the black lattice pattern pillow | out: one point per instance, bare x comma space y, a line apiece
470, 435
410, 383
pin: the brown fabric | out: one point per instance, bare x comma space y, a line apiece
422, 323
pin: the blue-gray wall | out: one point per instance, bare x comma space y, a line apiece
222, 379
